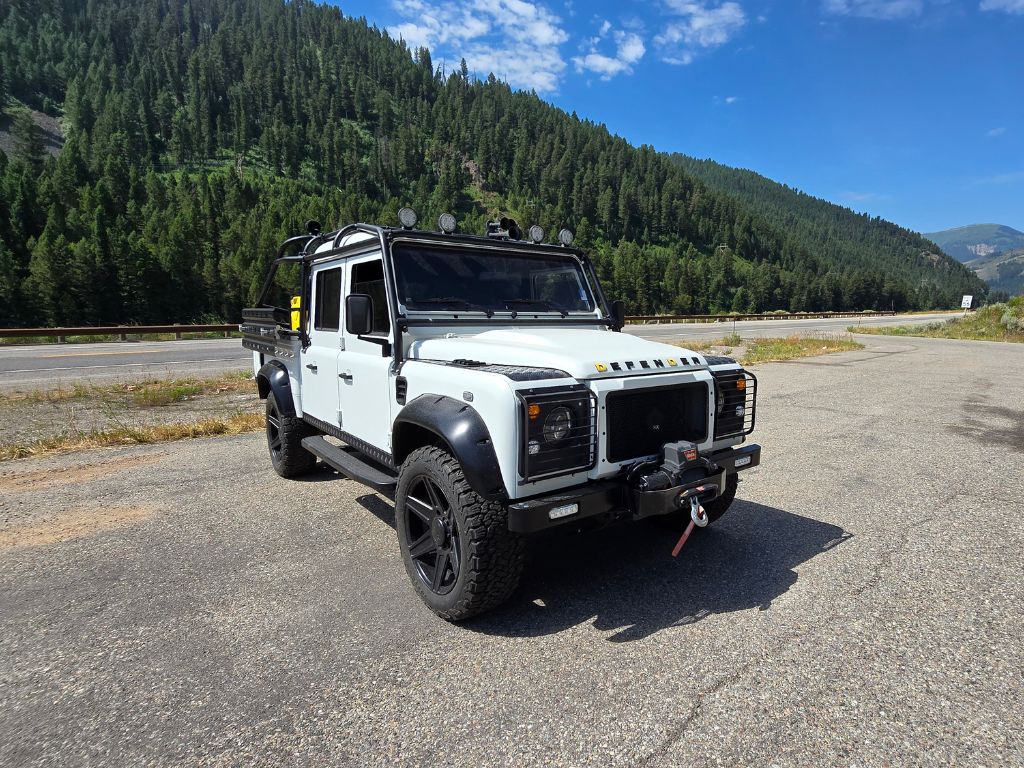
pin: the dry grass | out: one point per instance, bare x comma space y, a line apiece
233, 425
795, 346
141, 394
996, 322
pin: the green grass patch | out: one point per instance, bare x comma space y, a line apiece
996, 322
793, 347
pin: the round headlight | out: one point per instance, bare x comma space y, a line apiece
557, 425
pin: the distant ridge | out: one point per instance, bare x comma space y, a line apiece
976, 241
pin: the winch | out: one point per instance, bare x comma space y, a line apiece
682, 479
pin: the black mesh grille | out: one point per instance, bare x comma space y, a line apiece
576, 450
734, 404
640, 422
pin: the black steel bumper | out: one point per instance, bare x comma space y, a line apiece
616, 497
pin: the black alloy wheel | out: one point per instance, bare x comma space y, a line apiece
432, 536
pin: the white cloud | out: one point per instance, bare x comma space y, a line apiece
629, 49
731, 99
875, 9
1010, 6
516, 40
995, 132
697, 26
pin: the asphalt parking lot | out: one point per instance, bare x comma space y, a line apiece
862, 605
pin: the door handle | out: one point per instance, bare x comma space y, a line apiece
312, 367
345, 376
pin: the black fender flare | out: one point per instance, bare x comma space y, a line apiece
462, 428
273, 377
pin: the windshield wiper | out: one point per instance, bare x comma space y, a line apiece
540, 303
453, 302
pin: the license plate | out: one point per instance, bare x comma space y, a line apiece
742, 461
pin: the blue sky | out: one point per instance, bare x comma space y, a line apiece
912, 110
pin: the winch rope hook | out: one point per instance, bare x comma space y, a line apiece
698, 518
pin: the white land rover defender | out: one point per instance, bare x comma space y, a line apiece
481, 383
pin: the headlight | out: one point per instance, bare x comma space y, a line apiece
720, 400
557, 424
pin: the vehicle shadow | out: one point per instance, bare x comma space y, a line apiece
624, 577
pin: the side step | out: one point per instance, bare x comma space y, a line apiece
350, 464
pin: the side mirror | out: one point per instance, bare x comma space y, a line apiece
618, 314
358, 314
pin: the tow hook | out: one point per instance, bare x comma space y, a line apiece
698, 517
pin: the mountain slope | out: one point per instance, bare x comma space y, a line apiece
1003, 271
852, 241
200, 134
977, 240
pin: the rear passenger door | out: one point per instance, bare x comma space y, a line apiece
319, 369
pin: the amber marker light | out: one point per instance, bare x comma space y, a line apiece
741, 384
533, 411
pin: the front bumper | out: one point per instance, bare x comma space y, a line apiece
616, 497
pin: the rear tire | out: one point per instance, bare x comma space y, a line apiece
284, 441
458, 551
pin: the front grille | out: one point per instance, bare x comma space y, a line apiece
576, 450
734, 406
641, 421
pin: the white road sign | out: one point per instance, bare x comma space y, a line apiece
966, 303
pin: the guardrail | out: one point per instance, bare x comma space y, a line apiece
121, 331
124, 331
643, 319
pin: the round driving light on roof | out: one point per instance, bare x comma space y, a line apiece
446, 223
557, 425
537, 233
565, 237
407, 218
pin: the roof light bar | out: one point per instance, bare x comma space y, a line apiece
407, 218
446, 223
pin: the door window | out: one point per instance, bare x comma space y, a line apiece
327, 303
368, 278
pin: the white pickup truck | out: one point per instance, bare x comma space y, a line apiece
481, 382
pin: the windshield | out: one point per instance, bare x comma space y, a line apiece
440, 279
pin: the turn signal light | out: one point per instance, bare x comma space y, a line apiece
533, 411
741, 383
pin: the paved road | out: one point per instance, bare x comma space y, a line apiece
50, 366
861, 605
760, 328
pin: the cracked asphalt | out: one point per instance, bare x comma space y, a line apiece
862, 604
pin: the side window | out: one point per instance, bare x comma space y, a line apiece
368, 278
327, 303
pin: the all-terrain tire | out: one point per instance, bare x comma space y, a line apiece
480, 559
714, 509
284, 441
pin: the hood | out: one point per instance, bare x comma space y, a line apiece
583, 353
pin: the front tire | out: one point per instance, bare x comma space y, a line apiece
458, 551
284, 441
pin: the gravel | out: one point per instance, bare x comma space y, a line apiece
862, 604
